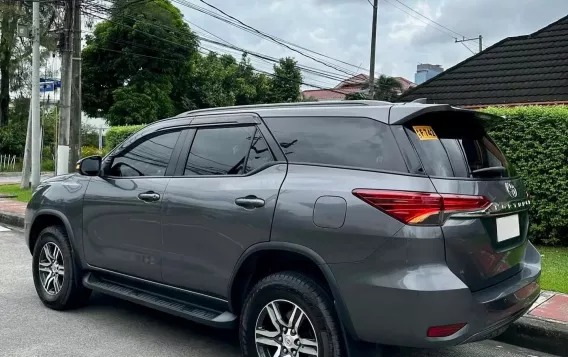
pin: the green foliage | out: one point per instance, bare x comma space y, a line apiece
89, 136
90, 151
130, 63
117, 134
286, 82
535, 139
356, 96
14, 189
385, 88
554, 268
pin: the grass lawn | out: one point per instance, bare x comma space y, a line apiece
21, 195
554, 269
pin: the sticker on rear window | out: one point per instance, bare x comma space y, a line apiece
425, 132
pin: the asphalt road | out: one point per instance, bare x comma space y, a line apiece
110, 327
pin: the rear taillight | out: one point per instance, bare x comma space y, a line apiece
420, 208
444, 331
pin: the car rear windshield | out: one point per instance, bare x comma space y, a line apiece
338, 141
455, 144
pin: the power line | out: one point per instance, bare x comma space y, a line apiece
273, 39
259, 33
466, 46
315, 71
427, 18
162, 58
421, 20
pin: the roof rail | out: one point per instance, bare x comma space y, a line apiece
330, 103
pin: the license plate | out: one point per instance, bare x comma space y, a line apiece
508, 227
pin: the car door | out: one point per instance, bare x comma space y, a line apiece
221, 203
122, 207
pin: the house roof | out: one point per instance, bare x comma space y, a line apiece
517, 70
330, 94
349, 85
353, 81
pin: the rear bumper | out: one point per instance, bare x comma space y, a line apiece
398, 307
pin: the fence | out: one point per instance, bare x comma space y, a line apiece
7, 162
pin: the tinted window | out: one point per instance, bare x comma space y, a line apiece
219, 151
147, 158
462, 147
358, 142
259, 153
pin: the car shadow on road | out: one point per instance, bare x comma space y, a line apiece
141, 322
170, 329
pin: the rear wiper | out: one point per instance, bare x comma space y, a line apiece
490, 170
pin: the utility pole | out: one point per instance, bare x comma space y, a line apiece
62, 166
75, 122
27, 165
373, 47
36, 128
479, 39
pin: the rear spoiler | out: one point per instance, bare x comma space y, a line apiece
402, 113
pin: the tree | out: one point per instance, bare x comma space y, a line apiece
132, 62
286, 82
385, 88
15, 52
356, 96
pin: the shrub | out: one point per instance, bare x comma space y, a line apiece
535, 139
90, 151
117, 134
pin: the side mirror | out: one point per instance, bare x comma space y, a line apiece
89, 166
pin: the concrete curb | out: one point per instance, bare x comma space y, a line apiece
527, 332
12, 219
537, 334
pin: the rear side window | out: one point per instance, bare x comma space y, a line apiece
454, 144
338, 141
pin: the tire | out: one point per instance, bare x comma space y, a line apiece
71, 292
289, 290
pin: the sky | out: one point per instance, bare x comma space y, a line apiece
342, 29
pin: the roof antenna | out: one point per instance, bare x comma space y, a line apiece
420, 100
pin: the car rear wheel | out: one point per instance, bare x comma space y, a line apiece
289, 314
57, 278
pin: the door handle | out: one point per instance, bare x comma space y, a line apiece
249, 202
149, 197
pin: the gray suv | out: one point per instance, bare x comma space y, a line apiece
317, 229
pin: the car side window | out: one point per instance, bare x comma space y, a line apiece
219, 151
148, 158
338, 141
259, 153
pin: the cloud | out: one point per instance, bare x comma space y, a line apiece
341, 29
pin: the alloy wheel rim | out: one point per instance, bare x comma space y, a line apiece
284, 330
51, 268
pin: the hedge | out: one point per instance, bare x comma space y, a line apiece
117, 134
535, 140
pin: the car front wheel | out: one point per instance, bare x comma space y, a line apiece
57, 278
289, 314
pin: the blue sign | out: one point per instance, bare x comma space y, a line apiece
46, 87
56, 83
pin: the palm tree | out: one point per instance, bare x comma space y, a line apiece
386, 88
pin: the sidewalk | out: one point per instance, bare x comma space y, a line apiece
543, 328
12, 212
16, 177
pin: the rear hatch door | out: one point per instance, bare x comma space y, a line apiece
486, 246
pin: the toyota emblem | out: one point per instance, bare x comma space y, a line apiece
511, 189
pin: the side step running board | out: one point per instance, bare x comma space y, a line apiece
219, 319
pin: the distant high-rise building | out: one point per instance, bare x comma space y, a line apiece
426, 71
